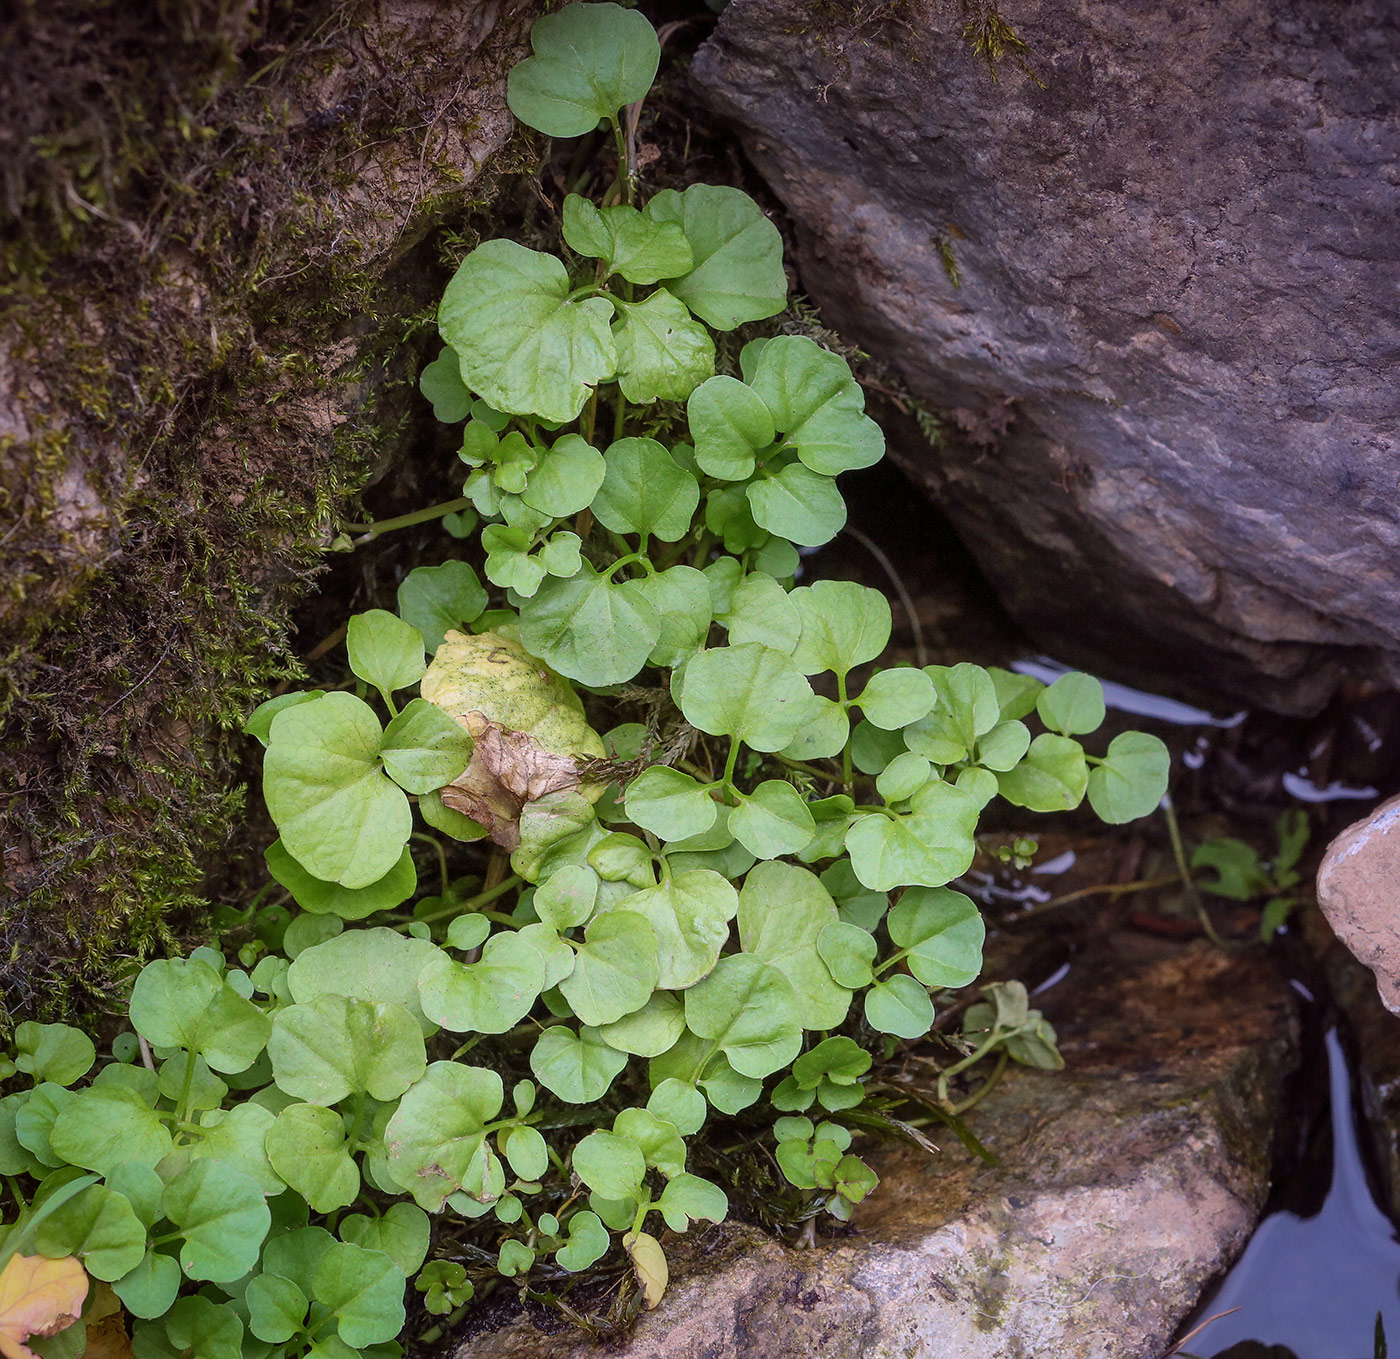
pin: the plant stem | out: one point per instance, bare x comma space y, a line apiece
441, 855
369, 532
985, 1088
471, 903
1184, 869
731, 760
846, 749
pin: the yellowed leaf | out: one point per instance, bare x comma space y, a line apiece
106, 1336
527, 722
648, 1264
494, 676
38, 1297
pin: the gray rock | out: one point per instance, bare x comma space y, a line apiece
1168, 376
1126, 1182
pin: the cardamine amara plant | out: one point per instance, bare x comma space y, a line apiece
712, 836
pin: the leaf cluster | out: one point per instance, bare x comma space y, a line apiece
742, 925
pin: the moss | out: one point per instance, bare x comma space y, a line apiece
211, 358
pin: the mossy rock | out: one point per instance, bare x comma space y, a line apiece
218, 286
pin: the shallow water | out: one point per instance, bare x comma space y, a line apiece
1313, 1286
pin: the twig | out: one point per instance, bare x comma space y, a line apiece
1196, 1330
905, 599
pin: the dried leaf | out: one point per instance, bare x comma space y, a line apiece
38, 1297
528, 724
507, 770
106, 1326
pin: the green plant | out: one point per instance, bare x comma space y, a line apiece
1241, 873
697, 912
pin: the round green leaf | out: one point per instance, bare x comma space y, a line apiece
783, 910
223, 1218
798, 504
338, 814
439, 1128
899, 1006
100, 1228
105, 1125
488, 996
439, 599
650, 1031
577, 1067
644, 490
587, 1244
730, 424
681, 597
669, 804
738, 273
238, 1137
610, 1165
384, 650
747, 1009
589, 61
773, 820
185, 1003
53, 1052
761, 611
441, 382
276, 1308
424, 749
818, 404
523, 342
371, 964
848, 952
1052, 778
663, 353
943, 932
1001, 748
567, 478
749, 692
843, 626
337, 1046
680, 1104
928, 848
403, 1233
688, 1198
330, 898
689, 915
590, 629
364, 1291
1072, 705
614, 970
628, 242
151, 1288
307, 1148
894, 698
1132, 779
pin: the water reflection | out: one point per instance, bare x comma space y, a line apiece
1312, 1287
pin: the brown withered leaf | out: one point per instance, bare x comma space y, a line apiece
507, 770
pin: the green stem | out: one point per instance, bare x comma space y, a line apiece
1184, 869
369, 532
624, 168
984, 1089
731, 760
973, 1057
441, 855
473, 904
827, 775
182, 1109
846, 749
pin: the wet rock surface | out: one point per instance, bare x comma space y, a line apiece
1358, 888
1164, 365
1126, 1182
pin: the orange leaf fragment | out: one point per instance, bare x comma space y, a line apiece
38, 1297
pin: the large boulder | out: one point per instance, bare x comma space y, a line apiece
1144, 270
220, 267
1125, 1184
